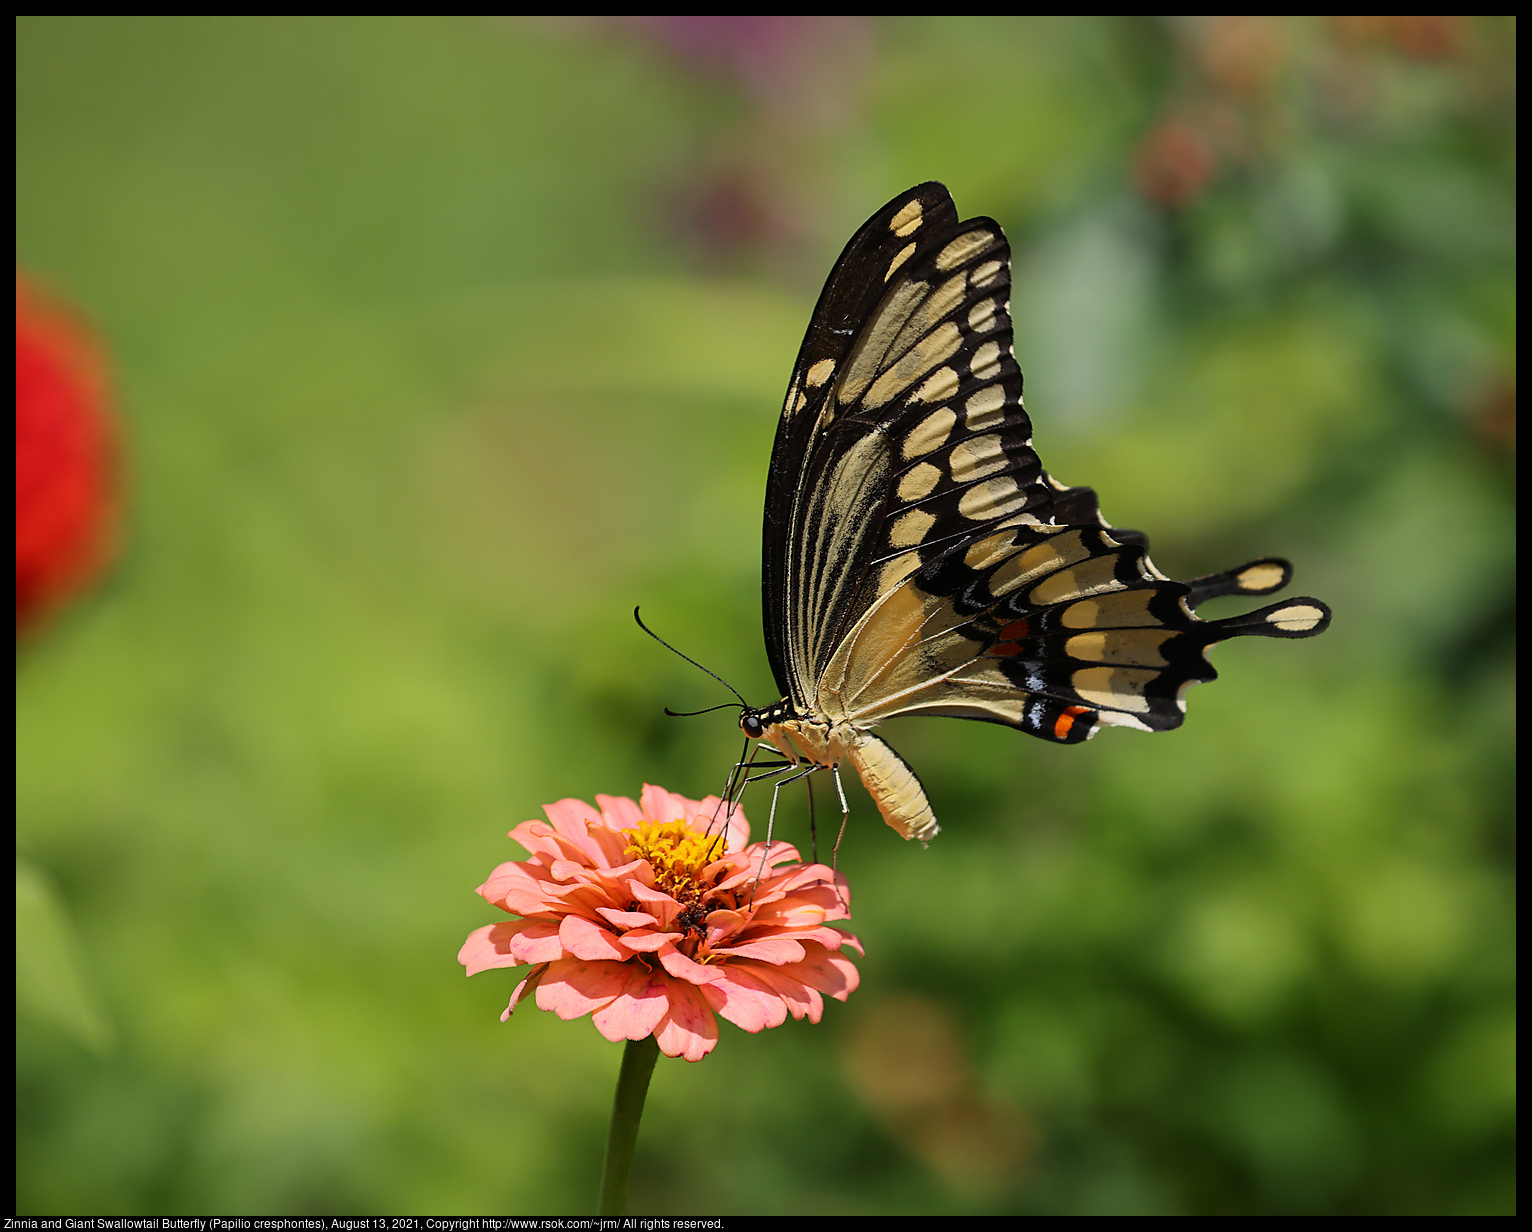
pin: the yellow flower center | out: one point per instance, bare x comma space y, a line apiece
677, 853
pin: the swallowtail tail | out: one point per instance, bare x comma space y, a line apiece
918, 559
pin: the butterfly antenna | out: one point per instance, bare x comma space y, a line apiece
692, 714
695, 664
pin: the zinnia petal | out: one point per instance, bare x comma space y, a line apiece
586, 940
801, 1000
534, 977
647, 940
688, 1029
482, 951
572, 818
620, 813
625, 919
537, 942
778, 950
638, 1009
747, 1002
663, 805
541, 839
683, 968
510, 943
572, 987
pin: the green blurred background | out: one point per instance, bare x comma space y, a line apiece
441, 343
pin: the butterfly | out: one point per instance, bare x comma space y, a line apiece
918, 559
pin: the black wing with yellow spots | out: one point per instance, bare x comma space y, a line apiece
917, 557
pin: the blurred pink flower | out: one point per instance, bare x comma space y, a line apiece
649, 918
1174, 161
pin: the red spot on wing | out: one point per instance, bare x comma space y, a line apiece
1008, 640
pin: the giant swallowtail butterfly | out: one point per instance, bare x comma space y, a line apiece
920, 560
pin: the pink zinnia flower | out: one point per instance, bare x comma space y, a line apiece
649, 917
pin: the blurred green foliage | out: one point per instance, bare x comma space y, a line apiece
442, 343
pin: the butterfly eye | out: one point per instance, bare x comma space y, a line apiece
751, 725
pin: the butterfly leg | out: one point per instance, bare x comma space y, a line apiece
845, 814
728, 799
771, 818
727, 794
772, 770
733, 785
740, 777
840, 791
808, 784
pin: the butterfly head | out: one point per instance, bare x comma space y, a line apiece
755, 722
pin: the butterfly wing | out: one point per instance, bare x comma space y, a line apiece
902, 429
1056, 630
917, 557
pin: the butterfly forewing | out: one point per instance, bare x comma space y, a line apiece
902, 430
851, 294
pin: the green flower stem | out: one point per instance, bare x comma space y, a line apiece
627, 1110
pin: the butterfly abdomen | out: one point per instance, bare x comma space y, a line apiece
890, 782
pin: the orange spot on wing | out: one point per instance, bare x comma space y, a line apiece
1066, 721
1014, 631
1005, 649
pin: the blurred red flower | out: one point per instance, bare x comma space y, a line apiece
65, 457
